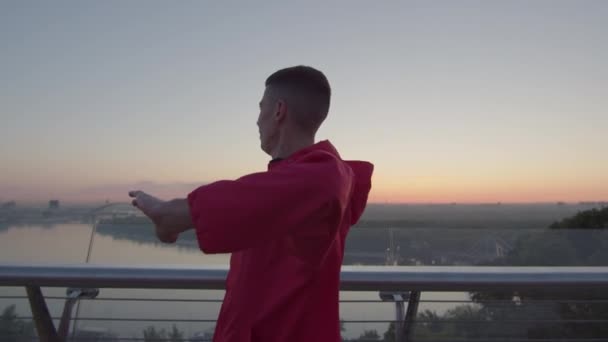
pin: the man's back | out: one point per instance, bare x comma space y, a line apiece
286, 229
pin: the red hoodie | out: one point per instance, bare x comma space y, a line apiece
286, 229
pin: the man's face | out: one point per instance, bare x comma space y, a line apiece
268, 123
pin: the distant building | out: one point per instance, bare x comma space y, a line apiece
9, 205
54, 204
202, 336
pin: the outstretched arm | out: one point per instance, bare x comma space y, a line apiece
169, 217
306, 198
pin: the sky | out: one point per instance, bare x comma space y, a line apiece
468, 101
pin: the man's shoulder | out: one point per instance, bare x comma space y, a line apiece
327, 169
320, 156
323, 162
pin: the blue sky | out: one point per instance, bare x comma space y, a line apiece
452, 101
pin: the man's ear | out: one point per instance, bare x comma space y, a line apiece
280, 111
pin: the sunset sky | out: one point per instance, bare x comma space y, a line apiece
453, 101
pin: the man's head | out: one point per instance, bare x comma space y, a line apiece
294, 105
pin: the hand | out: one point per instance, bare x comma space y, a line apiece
148, 204
151, 207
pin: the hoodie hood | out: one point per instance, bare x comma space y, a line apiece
362, 171
363, 183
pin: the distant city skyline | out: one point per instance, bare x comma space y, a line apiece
466, 102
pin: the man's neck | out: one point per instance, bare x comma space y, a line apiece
289, 147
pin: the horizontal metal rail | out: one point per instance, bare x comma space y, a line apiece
418, 320
353, 278
398, 284
488, 339
345, 301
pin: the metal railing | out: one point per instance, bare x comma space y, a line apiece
401, 285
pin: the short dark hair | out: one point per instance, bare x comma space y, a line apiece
308, 91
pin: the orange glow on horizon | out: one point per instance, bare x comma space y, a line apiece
484, 193
431, 189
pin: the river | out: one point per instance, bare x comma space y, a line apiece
68, 244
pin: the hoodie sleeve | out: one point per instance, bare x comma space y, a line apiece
234, 215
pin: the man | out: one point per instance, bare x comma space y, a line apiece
285, 227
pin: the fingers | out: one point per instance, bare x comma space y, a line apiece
167, 238
134, 193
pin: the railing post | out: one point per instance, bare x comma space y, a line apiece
66, 316
42, 317
74, 295
399, 310
399, 299
410, 316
